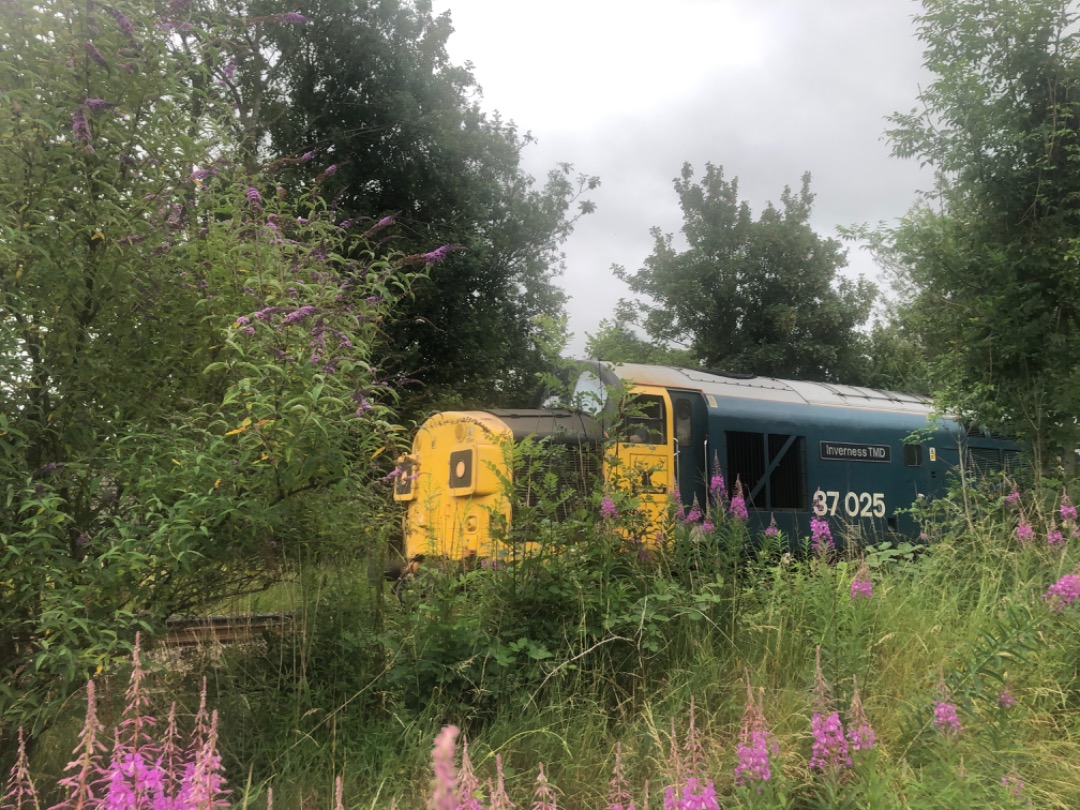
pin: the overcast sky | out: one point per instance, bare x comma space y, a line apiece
630, 90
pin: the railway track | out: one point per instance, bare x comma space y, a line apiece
192, 631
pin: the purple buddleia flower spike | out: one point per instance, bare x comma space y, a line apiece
80, 129
95, 54
439, 254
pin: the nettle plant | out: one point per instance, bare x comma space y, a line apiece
188, 345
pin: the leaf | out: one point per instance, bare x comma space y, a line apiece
243, 426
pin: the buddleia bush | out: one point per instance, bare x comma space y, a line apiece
191, 386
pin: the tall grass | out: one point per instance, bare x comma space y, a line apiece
589, 650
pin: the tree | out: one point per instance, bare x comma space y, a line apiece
992, 257
759, 296
366, 90
190, 395
618, 342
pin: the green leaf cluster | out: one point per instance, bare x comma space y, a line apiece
750, 295
190, 397
990, 261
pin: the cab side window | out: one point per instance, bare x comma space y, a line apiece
645, 420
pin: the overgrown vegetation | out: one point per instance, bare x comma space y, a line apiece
194, 407
963, 651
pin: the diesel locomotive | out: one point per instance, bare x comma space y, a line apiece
858, 457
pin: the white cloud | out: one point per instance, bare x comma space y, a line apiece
629, 90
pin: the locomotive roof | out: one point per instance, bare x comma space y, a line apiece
768, 389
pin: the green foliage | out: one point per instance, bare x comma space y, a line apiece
991, 258
191, 394
616, 341
759, 296
369, 89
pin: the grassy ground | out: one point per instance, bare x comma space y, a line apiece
561, 662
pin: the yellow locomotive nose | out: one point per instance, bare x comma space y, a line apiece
457, 465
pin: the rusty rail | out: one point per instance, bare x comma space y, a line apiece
187, 631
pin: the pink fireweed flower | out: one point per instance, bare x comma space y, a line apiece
830, 750
203, 783
83, 767
619, 797
717, 488
1067, 510
862, 587
444, 794
771, 530
694, 515
738, 503
695, 795
692, 761
500, 799
543, 793
708, 526
1063, 592
1006, 699
755, 744
20, 791
608, 511
860, 734
1013, 498
946, 719
1024, 532
468, 785
1013, 784
1054, 536
821, 540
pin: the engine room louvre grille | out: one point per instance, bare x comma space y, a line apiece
984, 460
576, 468
746, 462
787, 484
749, 455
